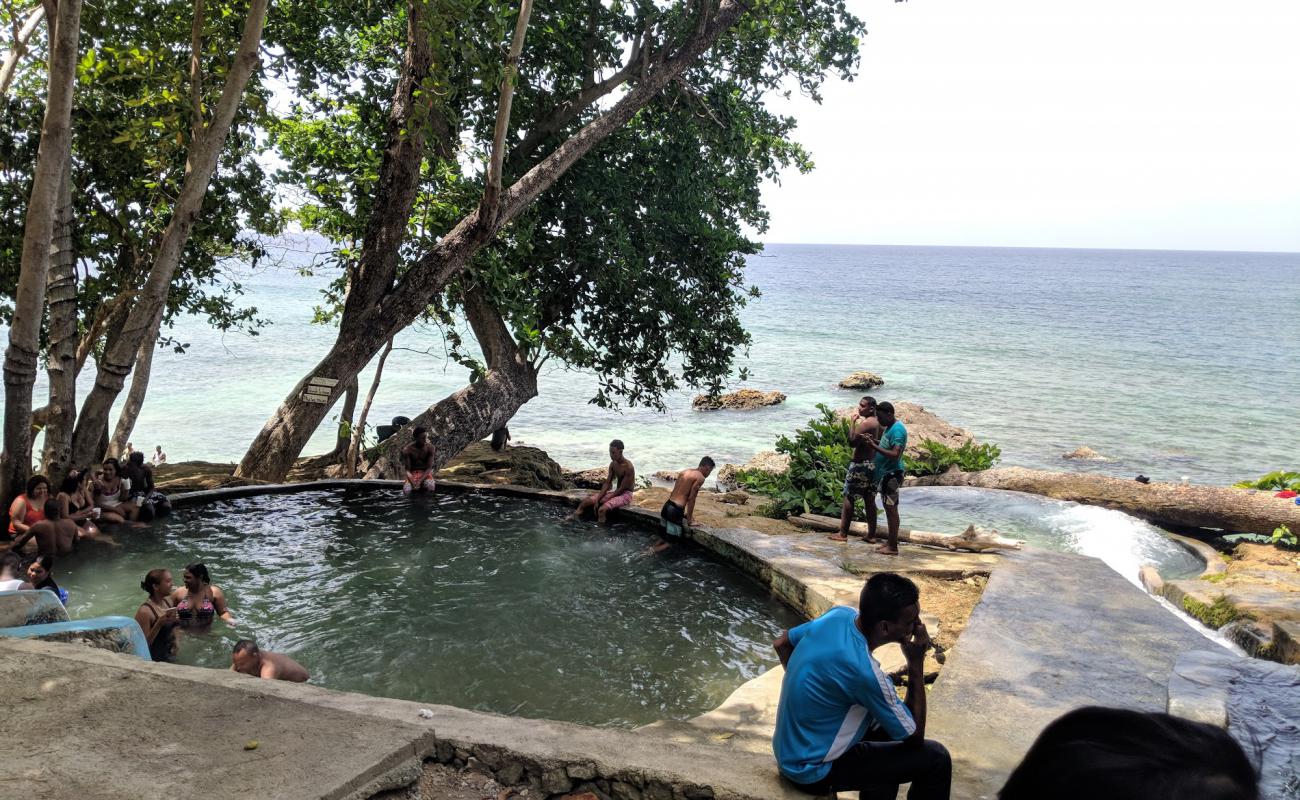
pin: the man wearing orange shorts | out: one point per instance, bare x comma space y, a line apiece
616, 491
417, 457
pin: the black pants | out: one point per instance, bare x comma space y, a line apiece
876, 769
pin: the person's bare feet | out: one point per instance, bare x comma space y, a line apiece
886, 550
838, 537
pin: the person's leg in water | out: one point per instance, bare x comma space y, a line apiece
617, 501
587, 503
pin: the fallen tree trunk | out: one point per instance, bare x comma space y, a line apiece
972, 539
1172, 504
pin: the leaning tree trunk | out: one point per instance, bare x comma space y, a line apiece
21, 357
346, 417
476, 411
359, 432
61, 358
361, 335
200, 163
134, 396
1172, 504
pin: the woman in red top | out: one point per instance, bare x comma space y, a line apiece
29, 507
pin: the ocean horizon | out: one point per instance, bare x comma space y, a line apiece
1174, 364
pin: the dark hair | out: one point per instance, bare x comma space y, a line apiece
11, 561
707, 462
884, 596
244, 645
136, 458
46, 562
198, 570
35, 481
886, 407
72, 481
617, 444
112, 462
868, 398
51, 509
1120, 754
418, 430
151, 579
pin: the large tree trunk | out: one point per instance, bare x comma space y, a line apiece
367, 323
476, 411
200, 163
358, 432
1171, 504
61, 359
134, 396
346, 417
22, 357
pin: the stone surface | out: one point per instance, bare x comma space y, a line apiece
1085, 454
588, 478
1053, 631
764, 461
739, 400
519, 465
1286, 641
862, 381
1196, 692
1262, 703
922, 426
666, 476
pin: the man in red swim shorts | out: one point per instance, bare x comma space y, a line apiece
616, 491
417, 457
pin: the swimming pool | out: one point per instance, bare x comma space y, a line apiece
482, 602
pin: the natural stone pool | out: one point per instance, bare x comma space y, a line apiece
481, 602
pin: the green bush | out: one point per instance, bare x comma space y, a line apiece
819, 460
1273, 482
936, 458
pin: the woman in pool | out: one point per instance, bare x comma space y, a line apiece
157, 617
111, 492
28, 508
198, 601
77, 501
40, 574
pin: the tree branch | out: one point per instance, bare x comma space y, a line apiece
490, 203
196, 72
10, 66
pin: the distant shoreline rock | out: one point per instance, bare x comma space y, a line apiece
862, 381
739, 400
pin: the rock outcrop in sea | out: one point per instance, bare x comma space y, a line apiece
741, 399
922, 426
1085, 453
862, 381
766, 461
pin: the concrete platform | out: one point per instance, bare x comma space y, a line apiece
1053, 631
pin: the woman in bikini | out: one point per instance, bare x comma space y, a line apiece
198, 601
28, 508
157, 617
77, 502
111, 495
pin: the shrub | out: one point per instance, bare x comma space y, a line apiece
1273, 482
936, 458
1283, 537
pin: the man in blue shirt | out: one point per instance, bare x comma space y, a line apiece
888, 466
840, 725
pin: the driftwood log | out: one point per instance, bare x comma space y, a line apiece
971, 539
1172, 504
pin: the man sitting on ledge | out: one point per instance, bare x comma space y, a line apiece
840, 725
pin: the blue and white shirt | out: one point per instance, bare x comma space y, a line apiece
832, 692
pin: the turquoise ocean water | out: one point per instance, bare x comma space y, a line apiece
1175, 364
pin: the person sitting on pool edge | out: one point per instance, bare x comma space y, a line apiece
839, 724
417, 458
679, 508
247, 658
615, 492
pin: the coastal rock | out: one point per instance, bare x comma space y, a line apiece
1085, 454
741, 399
592, 478
520, 466
735, 498
922, 426
862, 380
667, 476
766, 461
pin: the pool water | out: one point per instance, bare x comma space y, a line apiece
486, 603
1124, 542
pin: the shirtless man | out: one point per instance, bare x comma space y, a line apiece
248, 659
616, 491
679, 508
861, 480
54, 535
417, 458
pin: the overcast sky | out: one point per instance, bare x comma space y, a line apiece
1154, 124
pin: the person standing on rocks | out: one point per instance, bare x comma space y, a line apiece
417, 458
888, 463
615, 492
861, 478
840, 726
